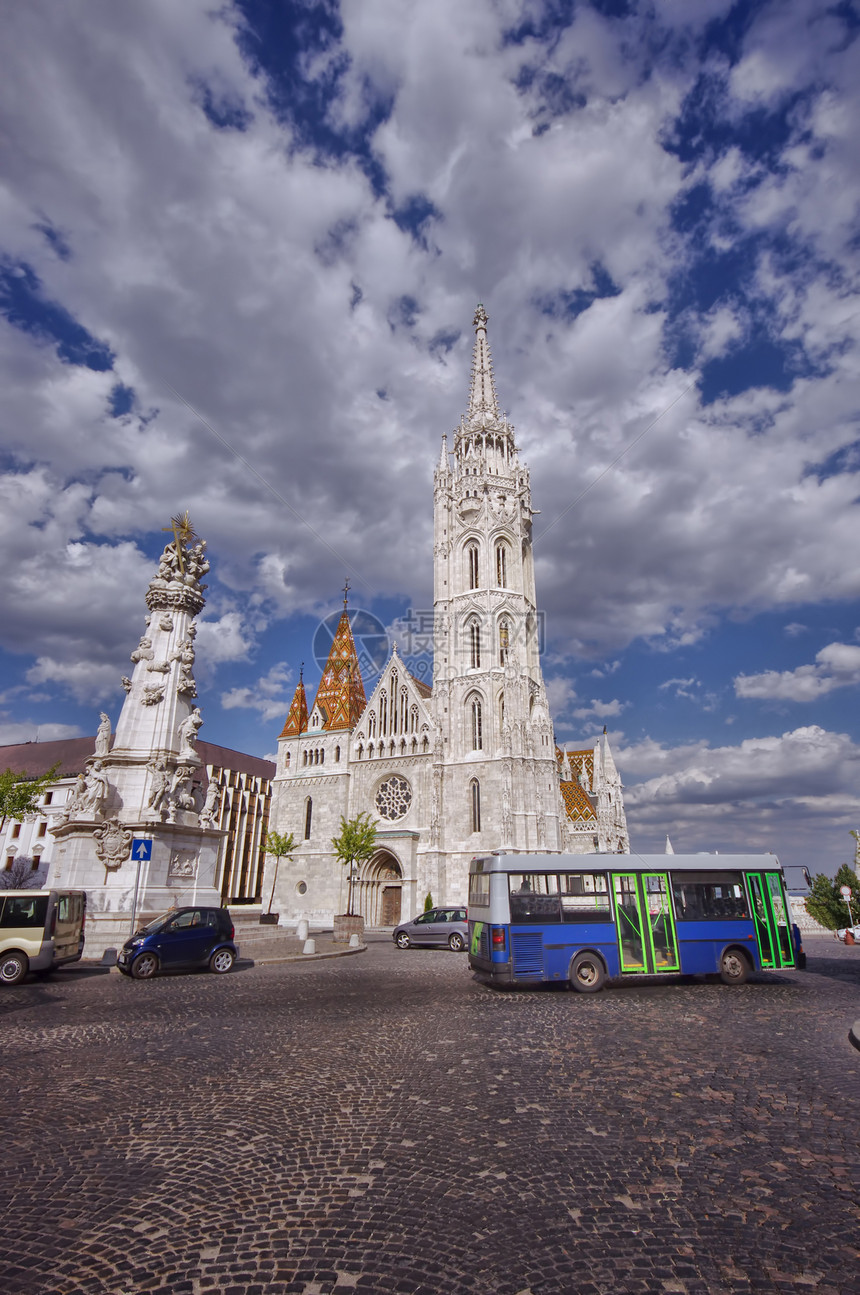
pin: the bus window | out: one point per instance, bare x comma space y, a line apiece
535, 898
479, 890
585, 897
701, 896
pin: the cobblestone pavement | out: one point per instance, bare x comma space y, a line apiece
384, 1123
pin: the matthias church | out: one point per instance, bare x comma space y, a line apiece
465, 767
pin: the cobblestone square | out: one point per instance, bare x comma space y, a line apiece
385, 1123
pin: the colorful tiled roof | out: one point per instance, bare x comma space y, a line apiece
297, 716
579, 760
424, 689
340, 696
579, 808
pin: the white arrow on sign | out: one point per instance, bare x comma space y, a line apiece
141, 849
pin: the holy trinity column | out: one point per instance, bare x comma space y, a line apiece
138, 830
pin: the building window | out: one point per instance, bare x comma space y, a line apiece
16, 831
475, 791
475, 645
49, 796
371, 724
472, 563
504, 641
502, 565
393, 798
501, 713
475, 724
43, 827
287, 760
309, 809
337, 755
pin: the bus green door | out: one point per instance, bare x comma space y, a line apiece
630, 922
661, 925
646, 928
770, 913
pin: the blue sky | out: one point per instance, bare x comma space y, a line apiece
241, 250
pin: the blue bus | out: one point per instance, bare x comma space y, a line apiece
587, 918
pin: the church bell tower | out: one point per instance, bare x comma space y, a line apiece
497, 764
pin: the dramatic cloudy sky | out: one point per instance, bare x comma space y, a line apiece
240, 250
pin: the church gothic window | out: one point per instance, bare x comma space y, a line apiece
502, 565
472, 559
383, 713
476, 724
475, 645
475, 794
504, 640
393, 798
309, 809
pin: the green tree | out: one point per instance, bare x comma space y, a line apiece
825, 903
279, 847
354, 845
20, 794
428, 902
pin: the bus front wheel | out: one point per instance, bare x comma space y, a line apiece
587, 973
734, 967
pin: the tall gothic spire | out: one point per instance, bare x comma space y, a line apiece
340, 697
297, 717
483, 404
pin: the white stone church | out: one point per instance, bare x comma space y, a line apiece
468, 766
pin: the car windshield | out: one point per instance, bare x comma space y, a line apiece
156, 924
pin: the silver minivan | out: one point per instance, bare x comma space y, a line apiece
39, 930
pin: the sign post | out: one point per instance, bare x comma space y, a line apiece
141, 850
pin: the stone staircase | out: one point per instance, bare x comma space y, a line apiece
260, 942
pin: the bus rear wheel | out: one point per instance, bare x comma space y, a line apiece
587, 973
734, 967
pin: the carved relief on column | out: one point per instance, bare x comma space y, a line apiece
183, 863
113, 843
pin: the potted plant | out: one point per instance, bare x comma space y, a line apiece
353, 846
279, 847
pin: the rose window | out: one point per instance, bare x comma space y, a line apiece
394, 797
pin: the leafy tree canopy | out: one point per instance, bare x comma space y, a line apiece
356, 841
20, 794
354, 844
279, 845
825, 903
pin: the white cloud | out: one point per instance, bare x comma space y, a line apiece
84, 681
12, 732
836, 666
601, 710
269, 695
226, 639
795, 794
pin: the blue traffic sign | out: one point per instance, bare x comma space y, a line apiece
141, 848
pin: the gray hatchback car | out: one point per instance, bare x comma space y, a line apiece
437, 926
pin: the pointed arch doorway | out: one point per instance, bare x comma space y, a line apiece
380, 890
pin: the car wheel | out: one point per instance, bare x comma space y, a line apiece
144, 966
402, 940
222, 960
587, 974
734, 967
456, 942
13, 967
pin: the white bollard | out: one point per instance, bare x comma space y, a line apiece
302, 930
354, 941
310, 946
